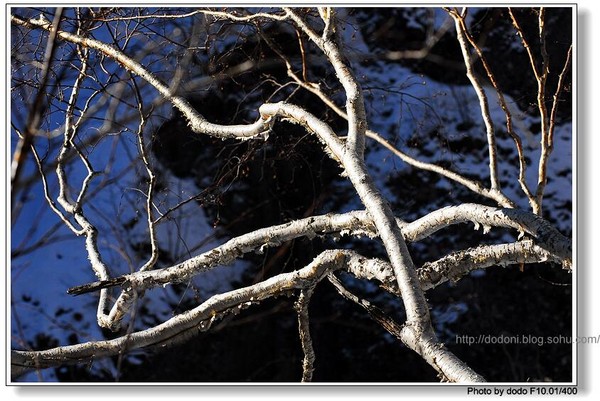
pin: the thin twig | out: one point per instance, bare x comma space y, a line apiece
37, 107
550, 134
483, 101
151, 182
374, 312
301, 307
473, 185
541, 78
509, 126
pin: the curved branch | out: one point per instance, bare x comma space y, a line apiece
451, 267
256, 241
357, 223
483, 101
196, 121
545, 234
201, 318
454, 266
355, 105
182, 326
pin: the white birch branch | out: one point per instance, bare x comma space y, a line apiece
196, 121
357, 223
202, 317
355, 106
182, 326
449, 367
483, 101
545, 234
178, 328
454, 266
301, 307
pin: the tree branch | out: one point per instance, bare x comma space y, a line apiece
483, 101
509, 126
441, 359
357, 223
182, 326
355, 106
196, 121
301, 307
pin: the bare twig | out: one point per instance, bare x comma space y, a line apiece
37, 107
549, 141
473, 185
556, 96
304, 331
47, 196
462, 373
151, 182
483, 101
509, 126
196, 121
541, 76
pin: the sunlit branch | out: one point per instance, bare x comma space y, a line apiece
541, 76
355, 106
196, 121
509, 126
202, 317
183, 326
123, 108
245, 18
74, 207
301, 307
483, 101
357, 223
151, 182
458, 264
